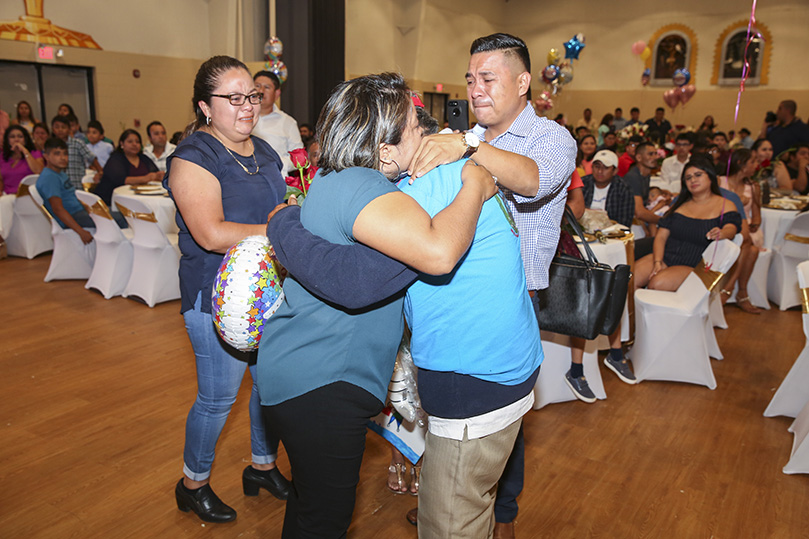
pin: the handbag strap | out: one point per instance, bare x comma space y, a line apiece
574, 224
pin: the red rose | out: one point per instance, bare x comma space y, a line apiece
294, 181
299, 157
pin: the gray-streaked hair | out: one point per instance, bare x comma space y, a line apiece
359, 115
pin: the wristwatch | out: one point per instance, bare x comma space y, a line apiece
472, 143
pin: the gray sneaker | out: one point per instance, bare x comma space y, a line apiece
621, 368
580, 388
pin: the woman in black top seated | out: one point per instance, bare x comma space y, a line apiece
127, 165
699, 216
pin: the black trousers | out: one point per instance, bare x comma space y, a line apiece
323, 432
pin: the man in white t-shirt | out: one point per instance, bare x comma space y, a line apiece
277, 128
159, 148
672, 168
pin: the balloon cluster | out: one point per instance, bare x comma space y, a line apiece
683, 91
558, 72
273, 49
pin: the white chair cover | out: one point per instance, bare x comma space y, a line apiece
6, 214
782, 287
716, 310
793, 393
30, 232
155, 268
799, 459
113, 262
551, 387
71, 258
720, 257
673, 336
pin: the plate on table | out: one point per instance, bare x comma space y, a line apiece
589, 238
788, 204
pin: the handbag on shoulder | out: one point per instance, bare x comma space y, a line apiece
580, 293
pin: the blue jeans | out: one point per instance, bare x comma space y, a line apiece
220, 370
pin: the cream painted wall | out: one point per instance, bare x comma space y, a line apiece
607, 74
163, 91
175, 28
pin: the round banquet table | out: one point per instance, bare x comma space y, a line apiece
774, 224
159, 203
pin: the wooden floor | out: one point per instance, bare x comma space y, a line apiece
94, 395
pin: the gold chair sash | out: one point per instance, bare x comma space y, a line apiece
709, 278
805, 300
126, 212
99, 208
796, 238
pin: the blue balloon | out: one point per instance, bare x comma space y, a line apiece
573, 48
647, 72
681, 77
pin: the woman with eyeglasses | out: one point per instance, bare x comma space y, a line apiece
224, 182
127, 165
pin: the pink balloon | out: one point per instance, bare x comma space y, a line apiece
671, 98
687, 92
637, 47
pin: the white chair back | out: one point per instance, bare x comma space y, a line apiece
72, 258
30, 234
155, 269
142, 221
720, 255
113, 263
796, 241
793, 393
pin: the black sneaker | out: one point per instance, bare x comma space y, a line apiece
621, 368
580, 388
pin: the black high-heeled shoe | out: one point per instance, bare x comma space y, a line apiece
204, 502
271, 480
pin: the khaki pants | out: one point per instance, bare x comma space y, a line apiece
459, 484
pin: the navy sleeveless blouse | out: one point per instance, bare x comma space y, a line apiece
245, 199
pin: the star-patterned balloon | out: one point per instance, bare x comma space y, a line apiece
247, 291
573, 48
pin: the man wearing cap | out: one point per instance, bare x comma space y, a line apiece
604, 190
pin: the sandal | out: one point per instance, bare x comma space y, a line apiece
415, 476
747, 306
397, 471
724, 295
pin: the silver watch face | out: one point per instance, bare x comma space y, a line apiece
471, 139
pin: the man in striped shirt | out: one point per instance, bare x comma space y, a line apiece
533, 159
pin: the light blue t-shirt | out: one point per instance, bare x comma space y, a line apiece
57, 184
309, 343
477, 320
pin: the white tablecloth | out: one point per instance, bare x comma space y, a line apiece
774, 224
162, 206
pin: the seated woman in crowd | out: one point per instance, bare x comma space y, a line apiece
20, 158
762, 151
587, 147
604, 128
25, 116
699, 216
742, 168
127, 165
40, 134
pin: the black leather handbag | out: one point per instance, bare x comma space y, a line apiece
581, 293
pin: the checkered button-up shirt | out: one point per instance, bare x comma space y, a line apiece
79, 157
554, 151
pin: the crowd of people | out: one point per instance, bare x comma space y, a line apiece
445, 228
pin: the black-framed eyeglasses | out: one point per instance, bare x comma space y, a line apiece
237, 100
